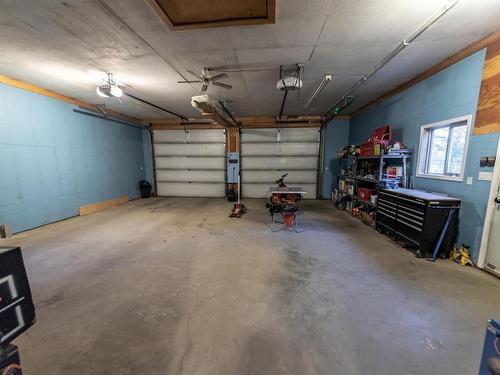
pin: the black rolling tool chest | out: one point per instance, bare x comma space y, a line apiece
420, 218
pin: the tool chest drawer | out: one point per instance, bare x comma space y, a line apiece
418, 217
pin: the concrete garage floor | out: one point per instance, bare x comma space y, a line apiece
173, 286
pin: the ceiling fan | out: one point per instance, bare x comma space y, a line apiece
206, 80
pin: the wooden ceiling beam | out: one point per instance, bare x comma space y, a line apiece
273, 119
41, 91
245, 122
179, 126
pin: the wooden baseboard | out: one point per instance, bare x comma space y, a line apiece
99, 206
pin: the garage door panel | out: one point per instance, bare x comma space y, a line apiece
291, 148
266, 154
280, 163
256, 190
189, 176
282, 135
299, 135
269, 177
259, 135
193, 136
194, 162
172, 136
184, 189
190, 164
175, 149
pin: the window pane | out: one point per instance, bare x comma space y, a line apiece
437, 152
457, 147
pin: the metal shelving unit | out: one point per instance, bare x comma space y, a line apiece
393, 159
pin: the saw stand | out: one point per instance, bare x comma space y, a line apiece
238, 209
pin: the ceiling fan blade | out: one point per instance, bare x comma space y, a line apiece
194, 74
189, 81
204, 87
218, 77
222, 85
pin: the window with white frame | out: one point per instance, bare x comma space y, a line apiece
443, 149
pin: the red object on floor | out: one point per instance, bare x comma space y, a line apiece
289, 218
238, 210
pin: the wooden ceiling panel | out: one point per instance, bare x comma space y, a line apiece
195, 14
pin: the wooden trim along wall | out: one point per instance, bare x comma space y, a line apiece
488, 107
473, 48
99, 206
51, 94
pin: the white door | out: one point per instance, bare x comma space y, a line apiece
190, 164
266, 154
493, 255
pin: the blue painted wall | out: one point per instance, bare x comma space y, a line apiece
53, 160
450, 93
336, 136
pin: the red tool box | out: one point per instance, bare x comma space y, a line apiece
382, 136
365, 193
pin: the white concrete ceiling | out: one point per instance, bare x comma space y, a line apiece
66, 46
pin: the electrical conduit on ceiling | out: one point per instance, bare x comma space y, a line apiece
346, 99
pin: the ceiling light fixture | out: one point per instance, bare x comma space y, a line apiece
326, 79
110, 88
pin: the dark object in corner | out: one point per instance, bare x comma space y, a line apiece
231, 196
145, 188
10, 363
17, 311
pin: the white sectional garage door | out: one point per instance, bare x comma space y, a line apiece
266, 154
190, 164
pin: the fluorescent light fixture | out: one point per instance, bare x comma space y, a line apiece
327, 78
